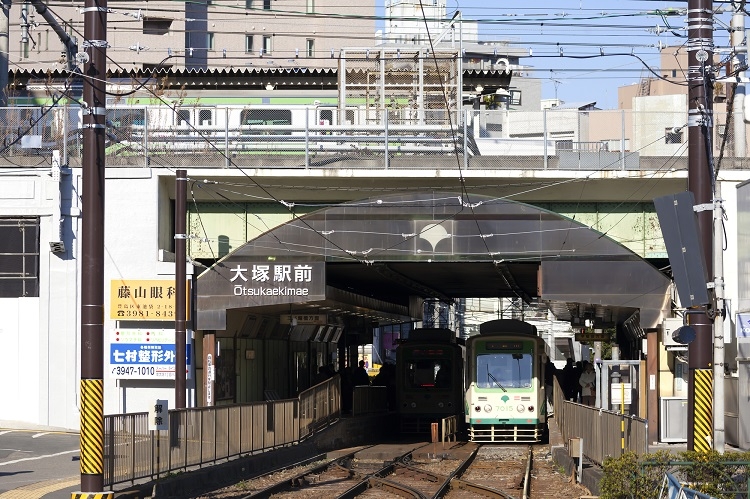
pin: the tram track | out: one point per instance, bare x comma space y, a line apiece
463, 470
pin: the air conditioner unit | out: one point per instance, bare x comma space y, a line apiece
667, 328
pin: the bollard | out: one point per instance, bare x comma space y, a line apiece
434, 435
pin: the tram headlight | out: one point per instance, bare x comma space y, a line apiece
531, 408
520, 408
441, 404
413, 405
477, 409
487, 408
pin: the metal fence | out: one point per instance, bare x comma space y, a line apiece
366, 137
206, 435
604, 433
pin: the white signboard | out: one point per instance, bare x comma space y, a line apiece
158, 416
146, 354
209, 379
617, 392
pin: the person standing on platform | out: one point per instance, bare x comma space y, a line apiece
570, 380
360, 377
588, 384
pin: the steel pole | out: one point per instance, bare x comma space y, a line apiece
92, 248
718, 256
700, 117
180, 237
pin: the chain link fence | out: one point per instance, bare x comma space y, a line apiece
407, 133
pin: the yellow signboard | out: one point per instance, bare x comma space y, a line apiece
145, 300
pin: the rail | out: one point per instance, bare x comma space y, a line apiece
204, 435
222, 137
601, 430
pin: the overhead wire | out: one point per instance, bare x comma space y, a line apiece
463, 186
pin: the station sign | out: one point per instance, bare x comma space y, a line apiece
145, 299
146, 354
304, 319
242, 283
592, 337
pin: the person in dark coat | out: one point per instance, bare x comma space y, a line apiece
347, 390
360, 377
570, 380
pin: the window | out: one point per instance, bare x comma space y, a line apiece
309, 47
156, 26
205, 117
266, 4
515, 98
310, 6
267, 45
672, 136
267, 117
19, 257
504, 370
248, 4
210, 41
182, 120
248, 44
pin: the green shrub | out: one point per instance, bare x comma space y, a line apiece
641, 477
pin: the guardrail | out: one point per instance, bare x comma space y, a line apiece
204, 435
449, 429
601, 430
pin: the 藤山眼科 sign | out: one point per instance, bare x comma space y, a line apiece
145, 300
146, 354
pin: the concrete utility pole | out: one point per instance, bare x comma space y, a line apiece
739, 50
718, 256
700, 123
180, 275
92, 249
4, 51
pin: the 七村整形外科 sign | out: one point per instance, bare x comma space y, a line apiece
145, 299
147, 354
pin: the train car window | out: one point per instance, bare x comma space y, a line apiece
326, 117
504, 370
206, 117
422, 374
267, 117
182, 119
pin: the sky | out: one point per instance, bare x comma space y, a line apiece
583, 50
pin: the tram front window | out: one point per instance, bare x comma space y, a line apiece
428, 374
504, 370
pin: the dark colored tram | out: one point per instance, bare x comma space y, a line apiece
429, 378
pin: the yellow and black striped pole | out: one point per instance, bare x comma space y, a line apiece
703, 416
92, 438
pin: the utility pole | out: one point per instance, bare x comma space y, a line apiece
4, 51
92, 249
700, 123
180, 236
739, 56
